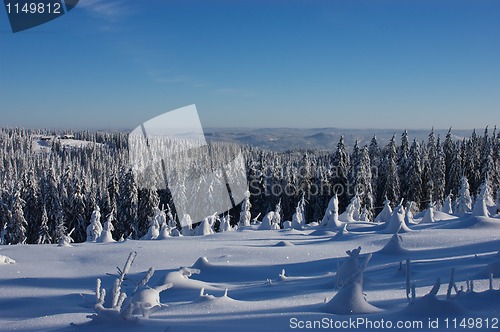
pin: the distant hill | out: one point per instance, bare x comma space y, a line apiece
281, 139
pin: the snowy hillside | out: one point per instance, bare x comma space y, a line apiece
272, 280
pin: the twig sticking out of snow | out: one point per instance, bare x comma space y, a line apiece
408, 276
451, 285
435, 288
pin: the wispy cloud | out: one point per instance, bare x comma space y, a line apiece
111, 10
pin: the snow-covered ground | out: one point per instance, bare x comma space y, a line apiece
262, 280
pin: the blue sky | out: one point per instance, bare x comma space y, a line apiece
113, 64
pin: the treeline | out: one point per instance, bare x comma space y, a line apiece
46, 193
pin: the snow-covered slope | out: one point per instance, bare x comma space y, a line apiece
246, 281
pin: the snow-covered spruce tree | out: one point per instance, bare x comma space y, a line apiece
414, 175
148, 201
438, 173
403, 165
61, 231
375, 161
245, 215
32, 208
94, 230
456, 170
16, 227
50, 196
128, 206
464, 201
111, 197
449, 160
390, 179
77, 221
362, 183
43, 231
340, 169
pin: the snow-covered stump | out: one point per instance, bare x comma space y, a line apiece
397, 221
331, 217
272, 219
299, 218
480, 209
350, 299
385, 215
448, 204
225, 223
353, 211
206, 226
428, 216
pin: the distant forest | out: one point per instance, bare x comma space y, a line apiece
45, 193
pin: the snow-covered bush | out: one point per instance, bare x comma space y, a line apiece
143, 299
331, 217
94, 230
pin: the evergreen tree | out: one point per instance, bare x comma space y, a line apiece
404, 151
375, 161
16, 228
414, 176
127, 207
340, 168
390, 179
43, 232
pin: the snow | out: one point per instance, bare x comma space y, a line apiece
250, 279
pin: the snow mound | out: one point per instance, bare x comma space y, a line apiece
341, 235
474, 222
394, 246
284, 244
428, 216
430, 304
201, 263
6, 260
350, 299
